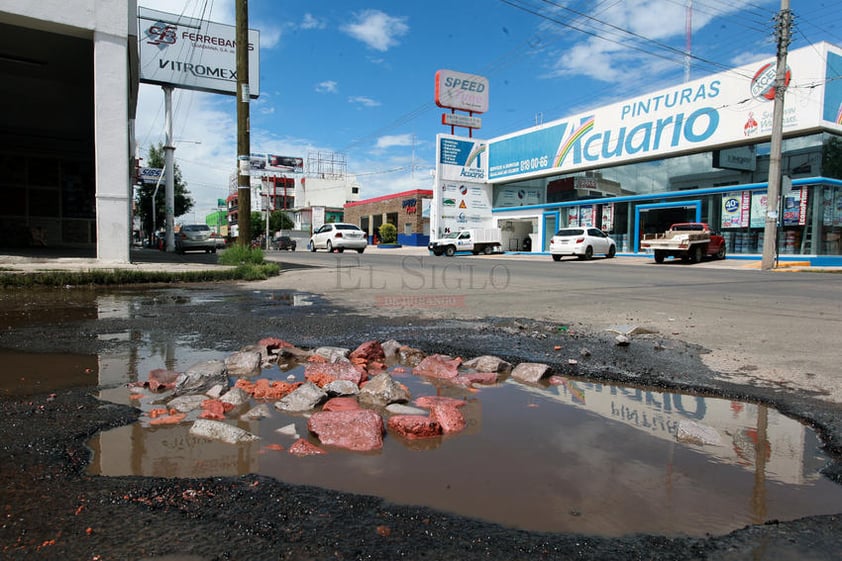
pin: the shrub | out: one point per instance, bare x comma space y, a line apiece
388, 233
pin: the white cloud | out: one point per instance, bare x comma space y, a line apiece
363, 101
270, 35
376, 29
312, 22
394, 140
222, 11
616, 57
328, 86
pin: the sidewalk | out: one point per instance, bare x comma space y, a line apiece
145, 259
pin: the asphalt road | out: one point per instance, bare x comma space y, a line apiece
772, 328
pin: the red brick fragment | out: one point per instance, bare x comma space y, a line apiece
438, 366
303, 447
360, 430
414, 426
341, 404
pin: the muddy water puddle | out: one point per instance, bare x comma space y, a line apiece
573, 456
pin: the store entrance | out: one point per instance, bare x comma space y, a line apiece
656, 218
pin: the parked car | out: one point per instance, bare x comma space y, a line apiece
581, 242
338, 236
195, 237
218, 240
284, 242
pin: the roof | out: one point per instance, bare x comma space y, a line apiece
401, 195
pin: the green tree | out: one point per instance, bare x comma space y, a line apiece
143, 197
280, 220
258, 224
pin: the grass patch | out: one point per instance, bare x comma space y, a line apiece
116, 277
237, 255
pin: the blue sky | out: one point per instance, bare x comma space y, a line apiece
357, 78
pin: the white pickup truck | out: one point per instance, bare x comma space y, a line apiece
690, 241
475, 240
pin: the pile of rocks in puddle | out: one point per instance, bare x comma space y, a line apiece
346, 395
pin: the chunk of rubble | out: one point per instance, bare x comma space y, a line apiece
438, 366
403, 409
273, 343
304, 398
201, 377
243, 363
383, 390
216, 430
370, 351
341, 387
530, 372
288, 430
391, 349
323, 373
332, 354
341, 404
411, 356
256, 413
161, 379
414, 426
303, 447
266, 389
187, 403
236, 397
697, 433
489, 363
217, 391
214, 409
430, 401
484, 378
449, 418
360, 430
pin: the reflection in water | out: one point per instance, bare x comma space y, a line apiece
572, 456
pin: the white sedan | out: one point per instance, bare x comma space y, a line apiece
338, 236
581, 242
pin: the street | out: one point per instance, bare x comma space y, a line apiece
773, 328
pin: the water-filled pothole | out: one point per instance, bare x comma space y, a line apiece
573, 456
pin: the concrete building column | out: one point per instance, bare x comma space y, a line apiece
111, 138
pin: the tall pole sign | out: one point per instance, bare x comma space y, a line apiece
464, 92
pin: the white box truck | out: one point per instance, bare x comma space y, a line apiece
475, 240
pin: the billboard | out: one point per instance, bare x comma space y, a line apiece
462, 198
193, 54
718, 111
457, 90
272, 164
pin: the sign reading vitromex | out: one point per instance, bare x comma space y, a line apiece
458, 90
193, 54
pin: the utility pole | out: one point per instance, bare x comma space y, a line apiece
169, 171
243, 125
783, 25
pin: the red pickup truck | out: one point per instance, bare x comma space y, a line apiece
691, 241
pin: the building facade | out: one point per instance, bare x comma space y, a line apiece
66, 143
405, 210
699, 151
